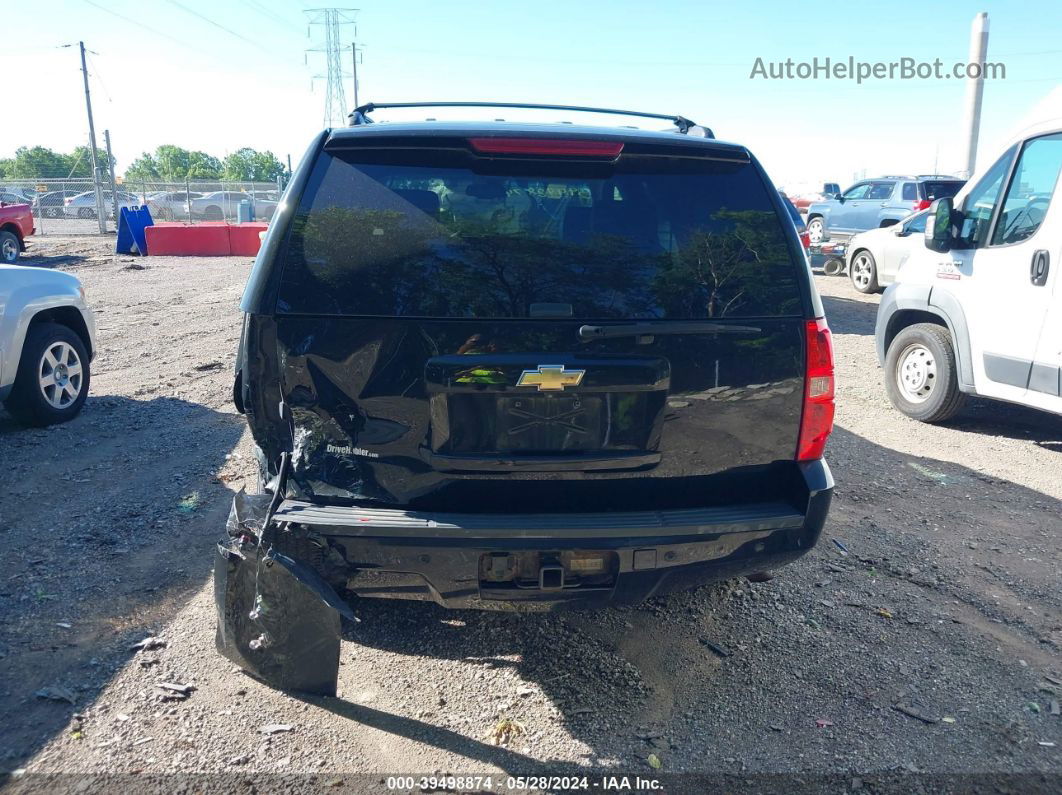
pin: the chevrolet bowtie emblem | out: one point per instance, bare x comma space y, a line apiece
551, 377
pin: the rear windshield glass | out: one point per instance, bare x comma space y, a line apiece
642, 239
941, 190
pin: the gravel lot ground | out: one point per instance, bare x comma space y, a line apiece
935, 589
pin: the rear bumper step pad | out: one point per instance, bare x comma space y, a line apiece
358, 521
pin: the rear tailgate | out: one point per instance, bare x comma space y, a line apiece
464, 327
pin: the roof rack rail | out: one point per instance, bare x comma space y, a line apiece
360, 114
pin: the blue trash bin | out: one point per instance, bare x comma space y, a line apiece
245, 212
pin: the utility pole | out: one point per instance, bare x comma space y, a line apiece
354, 54
110, 172
975, 87
100, 216
333, 20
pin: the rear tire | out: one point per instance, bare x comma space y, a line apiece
85, 212
213, 214
864, 272
816, 230
53, 376
10, 248
922, 374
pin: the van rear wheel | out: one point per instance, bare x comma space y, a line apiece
921, 373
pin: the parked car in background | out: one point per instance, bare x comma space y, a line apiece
875, 257
979, 310
171, 205
474, 384
83, 205
16, 224
50, 205
47, 341
873, 203
223, 205
803, 198
798, 220
17, 194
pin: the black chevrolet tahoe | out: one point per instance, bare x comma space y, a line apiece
518, 365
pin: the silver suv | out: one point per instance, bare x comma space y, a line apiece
47, 340
873, 203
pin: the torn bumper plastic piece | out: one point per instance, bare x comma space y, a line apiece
277, 618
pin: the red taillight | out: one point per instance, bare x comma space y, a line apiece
805, 240
546, 146
922, 205
817, 420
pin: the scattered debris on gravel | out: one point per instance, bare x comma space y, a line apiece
916, 637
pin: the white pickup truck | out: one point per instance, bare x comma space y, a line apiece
47, 341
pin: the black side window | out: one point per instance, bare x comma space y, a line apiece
910, 191
880, 191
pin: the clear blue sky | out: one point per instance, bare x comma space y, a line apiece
189, 82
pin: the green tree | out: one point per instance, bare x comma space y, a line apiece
144, 168
250, 165
173, 163
79, 162
38, 161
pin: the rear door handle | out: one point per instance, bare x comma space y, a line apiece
1041, 265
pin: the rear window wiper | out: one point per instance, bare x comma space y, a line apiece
652, 329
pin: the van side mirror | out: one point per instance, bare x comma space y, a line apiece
938, 226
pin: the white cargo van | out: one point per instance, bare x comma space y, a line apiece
979, 310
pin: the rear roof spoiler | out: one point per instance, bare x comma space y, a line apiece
360, 114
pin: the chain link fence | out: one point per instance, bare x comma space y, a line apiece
68, 206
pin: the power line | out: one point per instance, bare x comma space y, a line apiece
99, 77
148, 28
265, 12
537, 58
218, 25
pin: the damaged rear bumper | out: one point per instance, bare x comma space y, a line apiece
486, 561
277, 618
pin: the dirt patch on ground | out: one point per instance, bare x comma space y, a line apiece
934, 589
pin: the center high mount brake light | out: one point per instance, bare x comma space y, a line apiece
546, 146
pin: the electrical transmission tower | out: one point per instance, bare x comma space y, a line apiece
333, 20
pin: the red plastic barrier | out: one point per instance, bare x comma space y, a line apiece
209, 239
188, 240
244, 240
